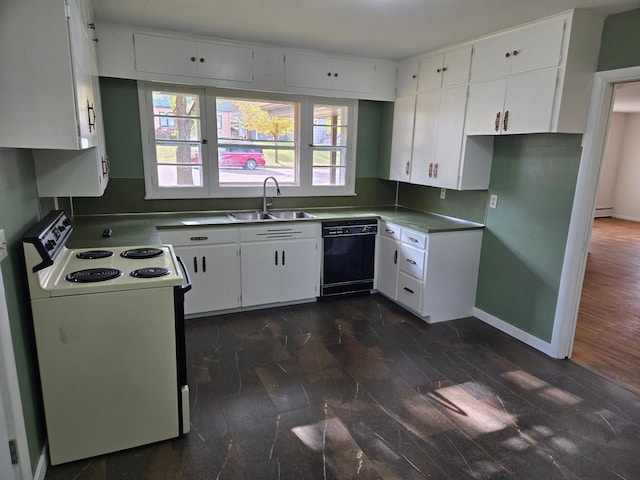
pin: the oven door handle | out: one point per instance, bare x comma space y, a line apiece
185, 287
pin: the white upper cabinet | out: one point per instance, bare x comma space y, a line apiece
48, 58
328, 73
525, 50
445, 70
535, 79
434, 71
153, 55
175, 56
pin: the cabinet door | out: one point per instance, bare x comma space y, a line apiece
484, 109
220, 277
307, 71
456, 67
171, 56
524, 50
259, 272
387, 275
538, 47
430, 75
529, 102
85, 69
195, 301
407, 80
297, 272
424, 137
448, 151
352, 76
402, 138
225, 62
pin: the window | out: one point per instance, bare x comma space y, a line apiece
306, 143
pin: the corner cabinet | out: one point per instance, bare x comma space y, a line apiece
433, 275
212, 257
428, 143
279, 263
50, 97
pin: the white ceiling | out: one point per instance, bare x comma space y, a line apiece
393, 29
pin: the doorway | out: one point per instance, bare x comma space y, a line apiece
608, 325
582, 218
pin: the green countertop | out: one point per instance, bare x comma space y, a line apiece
142, 229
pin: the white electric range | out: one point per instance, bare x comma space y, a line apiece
109, 329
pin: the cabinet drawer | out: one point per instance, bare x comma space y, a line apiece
279, 231
411, 260
199, 236
416, 239
390, 230
409, 292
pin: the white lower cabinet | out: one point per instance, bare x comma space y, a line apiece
212, 259
279, 263
432, 275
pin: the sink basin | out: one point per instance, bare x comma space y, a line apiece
276, 215
290, 214
248, 216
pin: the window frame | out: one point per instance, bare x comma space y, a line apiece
211, 187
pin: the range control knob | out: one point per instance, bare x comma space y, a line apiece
49, 245
61, 228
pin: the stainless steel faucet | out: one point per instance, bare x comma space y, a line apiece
264, 192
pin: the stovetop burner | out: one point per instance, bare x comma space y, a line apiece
93, 275
94, 254
140, 253
150, 272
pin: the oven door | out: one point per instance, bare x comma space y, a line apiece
348, 264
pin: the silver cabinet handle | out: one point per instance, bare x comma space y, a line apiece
415, 240
408, 290
412, 262
389, 231
198, 239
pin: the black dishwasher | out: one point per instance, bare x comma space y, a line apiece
348, 256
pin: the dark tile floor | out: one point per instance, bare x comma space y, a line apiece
358, 388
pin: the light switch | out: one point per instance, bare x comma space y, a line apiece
3, 245
443, 193
493, 202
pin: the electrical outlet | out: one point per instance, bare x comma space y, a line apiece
443, 193
493, 202
3, 245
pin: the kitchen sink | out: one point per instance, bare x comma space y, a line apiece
290, 214
276, 215
249, 216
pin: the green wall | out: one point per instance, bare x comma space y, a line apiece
620, 46
19, 210
524, 240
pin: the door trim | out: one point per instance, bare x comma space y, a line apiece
584, 201
9, 380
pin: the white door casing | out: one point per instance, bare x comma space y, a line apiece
581, 222
10, 402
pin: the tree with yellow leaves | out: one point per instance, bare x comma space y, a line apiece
256, 117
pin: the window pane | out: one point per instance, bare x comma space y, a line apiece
256, 139
178, 139
179, 175
329, 125
329, 167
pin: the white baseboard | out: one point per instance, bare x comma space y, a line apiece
515, 332
626, 217
43, 463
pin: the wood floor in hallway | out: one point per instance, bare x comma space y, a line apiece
607, 339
